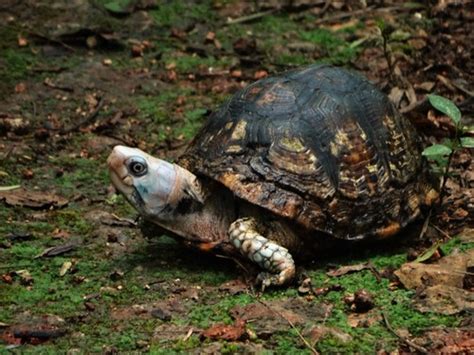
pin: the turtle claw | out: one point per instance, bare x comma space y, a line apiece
266, 279
275, 259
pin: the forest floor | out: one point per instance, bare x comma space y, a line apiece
77, 276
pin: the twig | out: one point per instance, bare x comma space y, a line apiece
405, 340
52, 85
387, 54
235, 260
306, 343
250, 17
46, 38
188, 334
127, 220
374, 271
86, 120
425, 225
441, 231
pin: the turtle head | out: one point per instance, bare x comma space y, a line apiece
153, 186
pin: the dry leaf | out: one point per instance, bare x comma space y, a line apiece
32, 199
343, 270
65, 268
57, 250
226, 332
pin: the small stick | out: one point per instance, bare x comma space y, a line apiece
374, 271
188, 334
250, 17
306, 343
425, 225
405, 340
441, 231
127, 220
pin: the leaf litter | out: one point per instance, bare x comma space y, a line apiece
440, 286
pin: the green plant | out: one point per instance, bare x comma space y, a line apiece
442, 154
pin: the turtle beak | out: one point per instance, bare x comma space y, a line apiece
118, 170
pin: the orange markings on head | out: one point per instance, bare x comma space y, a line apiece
207, 247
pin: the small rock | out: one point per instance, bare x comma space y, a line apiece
360, 302
116, 275
161, 314
363, 301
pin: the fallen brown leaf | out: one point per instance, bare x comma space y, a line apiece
275, 316
440, 285
226, 332
57, 250
364, 320
234, 287
448, 271
448, 341
320, 331
32, 199
343, 270
445, 300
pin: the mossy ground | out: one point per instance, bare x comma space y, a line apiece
160, 113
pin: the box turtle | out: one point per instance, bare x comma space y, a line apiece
288, 160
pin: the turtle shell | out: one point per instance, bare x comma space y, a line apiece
321, 146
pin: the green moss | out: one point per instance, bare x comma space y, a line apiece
334, 48
174, 13
276, 25
293, 59
17, 64
205, 315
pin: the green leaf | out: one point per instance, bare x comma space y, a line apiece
467, 142
427, 254
118, 6
437, 150
446, 106
9, 188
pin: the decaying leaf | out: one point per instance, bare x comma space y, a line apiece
444, 299
234, 287
32, 199
440, 284
273, 316
226, 332
343, 270
364, 320
57, 250
449, 271
320, 331
448, 341
467, 236
65, 267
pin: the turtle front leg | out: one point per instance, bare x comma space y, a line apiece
275, 259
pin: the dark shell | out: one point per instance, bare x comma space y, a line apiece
321, 146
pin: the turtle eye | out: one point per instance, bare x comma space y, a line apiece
137, 166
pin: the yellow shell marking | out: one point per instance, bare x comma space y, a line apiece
293, 144
234, 149
239, 130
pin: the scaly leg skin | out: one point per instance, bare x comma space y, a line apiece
266, 253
